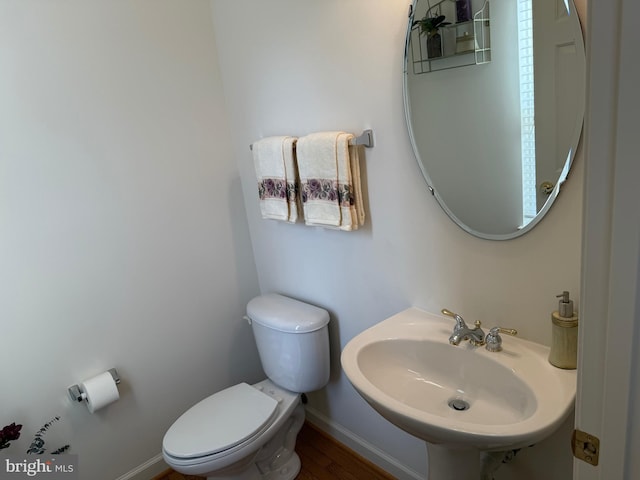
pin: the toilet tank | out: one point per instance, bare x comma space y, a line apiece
293, 341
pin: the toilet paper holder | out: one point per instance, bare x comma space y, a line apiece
78, 395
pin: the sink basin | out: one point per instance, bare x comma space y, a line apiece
458, 396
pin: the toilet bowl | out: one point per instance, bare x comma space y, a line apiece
243, 432
248, 432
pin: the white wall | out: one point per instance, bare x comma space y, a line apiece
293, 67
123, 238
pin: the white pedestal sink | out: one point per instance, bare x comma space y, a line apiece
462, 400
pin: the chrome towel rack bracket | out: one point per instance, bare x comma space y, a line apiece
365, 139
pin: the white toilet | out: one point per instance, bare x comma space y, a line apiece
248, 432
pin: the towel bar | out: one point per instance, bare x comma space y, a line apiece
365, 139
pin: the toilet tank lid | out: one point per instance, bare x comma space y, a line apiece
286, 314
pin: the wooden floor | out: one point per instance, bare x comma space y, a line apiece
322, 457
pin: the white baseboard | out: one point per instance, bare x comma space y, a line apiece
146, 471
361, 446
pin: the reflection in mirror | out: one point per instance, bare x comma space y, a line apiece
495, 124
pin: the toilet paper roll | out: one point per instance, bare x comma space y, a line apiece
99, 391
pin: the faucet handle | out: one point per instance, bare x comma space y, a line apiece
449, 313
494, 340
508, 331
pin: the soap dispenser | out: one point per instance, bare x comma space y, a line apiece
564, 334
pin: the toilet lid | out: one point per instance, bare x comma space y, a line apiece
220, 422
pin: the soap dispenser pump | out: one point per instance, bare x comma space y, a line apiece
564, 334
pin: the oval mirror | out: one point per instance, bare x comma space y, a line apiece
494, 101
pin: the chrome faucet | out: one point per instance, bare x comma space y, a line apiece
462, 332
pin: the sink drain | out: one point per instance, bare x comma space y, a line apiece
459, 405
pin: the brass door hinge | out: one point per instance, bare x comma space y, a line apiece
586, 447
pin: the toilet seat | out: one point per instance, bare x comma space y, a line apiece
220, 422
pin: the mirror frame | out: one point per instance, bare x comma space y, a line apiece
573, 144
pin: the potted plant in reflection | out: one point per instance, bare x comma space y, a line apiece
430, 26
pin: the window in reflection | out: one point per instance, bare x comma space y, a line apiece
527, 109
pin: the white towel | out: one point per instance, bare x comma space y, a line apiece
276, 172
357, 206
330, 180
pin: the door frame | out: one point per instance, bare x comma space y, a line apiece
607, 397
